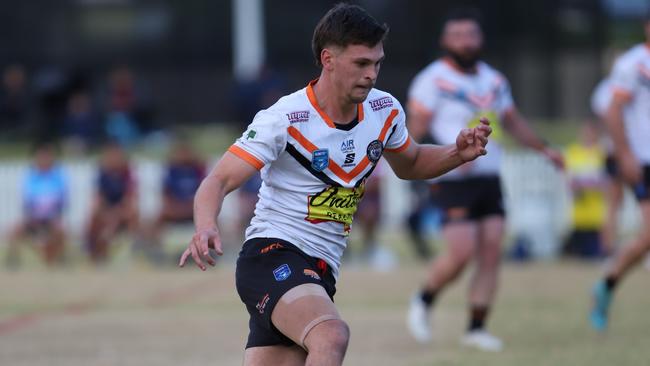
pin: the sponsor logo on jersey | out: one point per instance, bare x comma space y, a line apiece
374, 151
320, 159
311, 273
336, 204
381, 103
349, 160
251, 134
282, 273
347, 146
261, 306
299, 116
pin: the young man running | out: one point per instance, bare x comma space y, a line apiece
628, 123
452, 93
315, 147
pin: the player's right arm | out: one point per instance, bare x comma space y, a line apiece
229, 174
623, 81
261, 144
630, 167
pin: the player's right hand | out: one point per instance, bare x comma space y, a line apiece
630, 168
199, 248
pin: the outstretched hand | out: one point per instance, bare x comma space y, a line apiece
471, 141
199, 248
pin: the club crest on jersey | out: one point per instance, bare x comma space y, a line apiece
381, 103
375, 149
282, 273
320, 159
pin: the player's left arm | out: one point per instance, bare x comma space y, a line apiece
518, 127
425, 161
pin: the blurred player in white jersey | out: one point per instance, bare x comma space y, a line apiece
600, 101
450, 94
628, 123
316, 147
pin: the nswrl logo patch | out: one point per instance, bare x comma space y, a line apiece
282, 273
320, 159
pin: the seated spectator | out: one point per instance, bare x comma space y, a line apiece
585, 164
115, 205
81, 125
185, 171
44, 199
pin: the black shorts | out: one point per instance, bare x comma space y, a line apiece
468, 199
642, 189
611, 166
266, 269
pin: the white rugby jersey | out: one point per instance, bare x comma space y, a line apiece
631, 77
458, 100
601, 98
313, 173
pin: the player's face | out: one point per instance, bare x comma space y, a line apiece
463, 41
355, 69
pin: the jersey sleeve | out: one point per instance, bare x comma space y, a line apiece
263, 141
424, 91
623, 77
398, 140
505, 102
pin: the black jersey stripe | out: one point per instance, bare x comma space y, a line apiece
306, 163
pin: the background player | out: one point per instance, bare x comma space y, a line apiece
628, 123
450, 94
287, 269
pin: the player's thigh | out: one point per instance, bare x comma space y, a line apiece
301, 309
460, 239
491, 231
275, 355
644, 207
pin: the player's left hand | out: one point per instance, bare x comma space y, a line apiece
471, 141
554, 156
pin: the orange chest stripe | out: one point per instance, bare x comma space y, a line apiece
333, 167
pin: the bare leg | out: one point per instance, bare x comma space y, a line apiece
484, 282
307, 316
610, 228
460, 239
275, 355
631, 254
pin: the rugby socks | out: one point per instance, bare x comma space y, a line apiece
478, 315
610, 283
428, 297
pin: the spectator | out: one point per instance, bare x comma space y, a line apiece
14, 100
44, 199
586, 169
115, 203
81, 125
185, 171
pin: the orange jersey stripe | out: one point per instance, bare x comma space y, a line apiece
314, 102
246, 156
335, 168
401, 148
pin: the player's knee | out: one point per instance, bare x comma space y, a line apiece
330, 336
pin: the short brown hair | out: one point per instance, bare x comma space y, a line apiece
344, 25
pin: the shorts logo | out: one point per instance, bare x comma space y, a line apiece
271, 247
374, 151
381, 103
261, 306
300, 116
320, 159
282, 273
311, 273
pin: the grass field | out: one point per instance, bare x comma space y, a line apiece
185, 317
